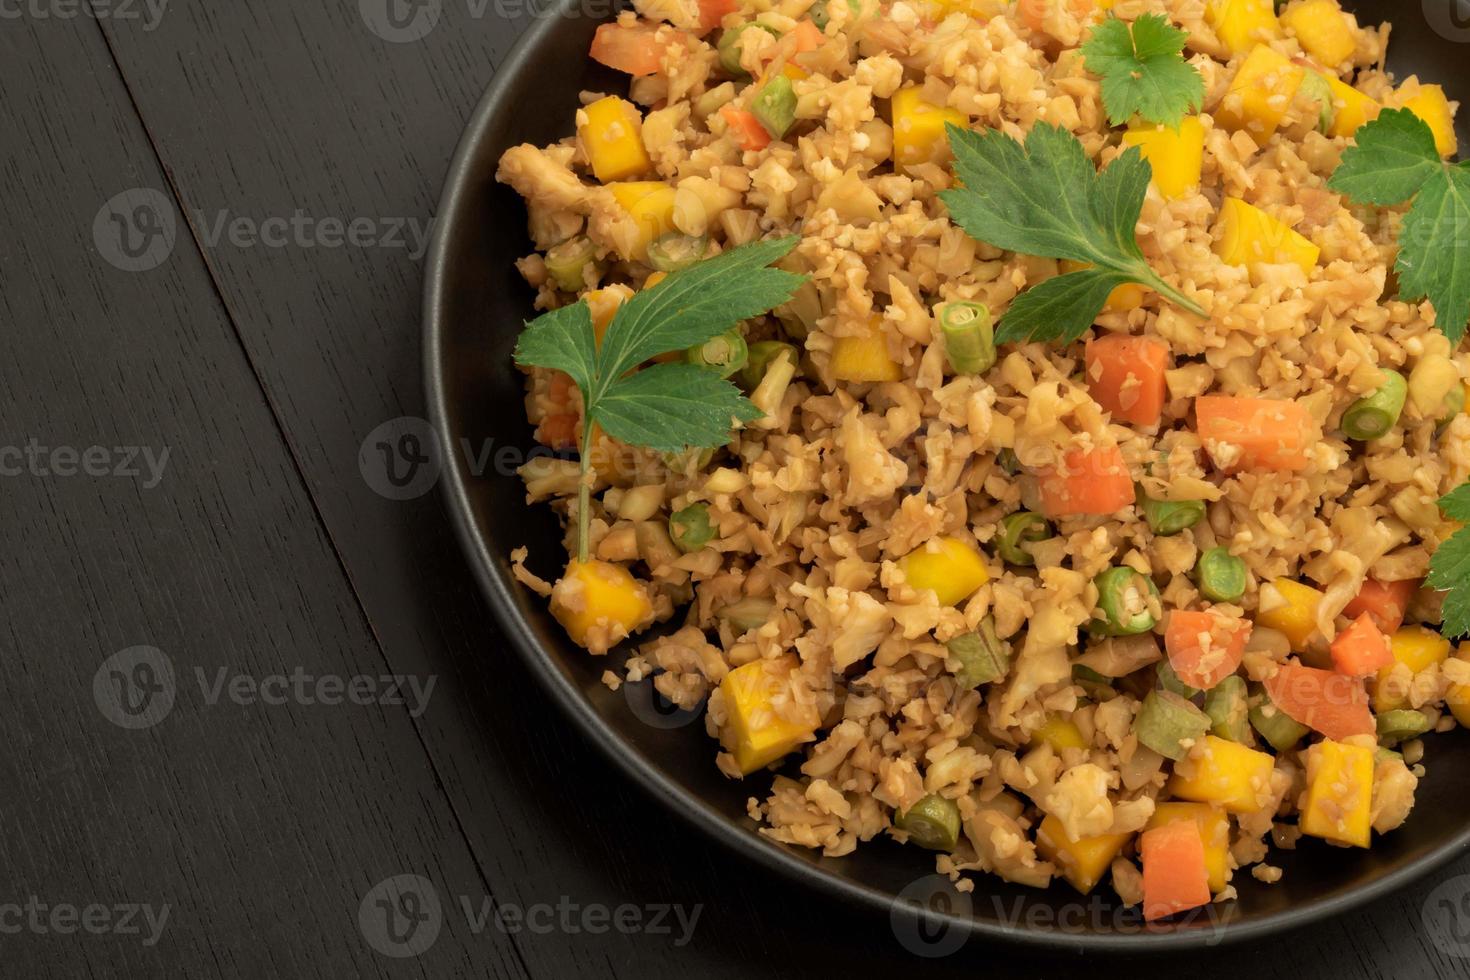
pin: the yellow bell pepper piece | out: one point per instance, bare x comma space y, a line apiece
650, 205
918, 128
1060, 733
1353, 107
979, 9
1249, 236
864, 358
1457, 698
1339, 798
1242, 23
613, 139
1291, 608
1260, 93
756, 733
1224, 773
1417, 648
1214, 830
1429, 104
1176, 155
1082, 862
1322, 29
600, 604
1123, 299
949, 566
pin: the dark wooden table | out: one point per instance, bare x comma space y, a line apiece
213, 222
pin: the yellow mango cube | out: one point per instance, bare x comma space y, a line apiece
1060, 733
1339, 798
650, 208
1176, 155
1260, 94
1240, 24
979, 9
1224, 773
1428, 102
918, 128
1214, 831
600, 604
864, 358
1123, 299
952, 568
764, 719
1082, 862
1353, 108
613, 140
1291, 608
1417, 648
1322, 29
1248, 236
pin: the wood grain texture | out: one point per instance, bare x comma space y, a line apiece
261, 113
260, 827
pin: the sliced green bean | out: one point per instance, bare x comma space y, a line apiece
983, 657
747, 614
1280, 730
726, 353
1169, 681
1373, 416
762, 353
1123, 599
691, 528
1017, 530
1395, 726
775, 106
674, 251
729, 47
566, 262
969, 336
1220, 575
1168, 517
1166, 721
933, 823
1229, 710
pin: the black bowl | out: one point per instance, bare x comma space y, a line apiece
475, 303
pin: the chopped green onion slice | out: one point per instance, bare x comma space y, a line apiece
933, 822
565, 263
674, 252
726, 353
1373, 416
1123, 599
1017, 530
969, 337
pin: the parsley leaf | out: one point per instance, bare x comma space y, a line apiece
1450, 566
1046, 198
1395, 159
1143, 70
666, 407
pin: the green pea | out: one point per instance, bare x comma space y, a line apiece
691, 528
1220, 575
1018, 529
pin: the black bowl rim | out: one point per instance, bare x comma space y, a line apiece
774, 856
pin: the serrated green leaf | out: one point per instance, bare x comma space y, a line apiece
1393, 157
1450, 566
1061, 308
671, 407
1433, 245
1143, 70
1118, 201
695, 304
561, 340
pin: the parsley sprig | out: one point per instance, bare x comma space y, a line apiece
1450, 566
1395, 159
1045, 198
665, 407
1143, 70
